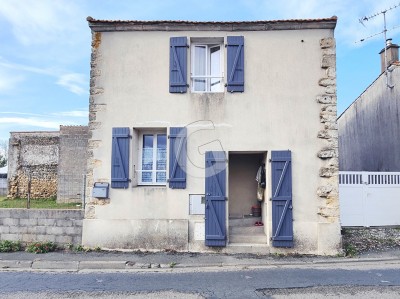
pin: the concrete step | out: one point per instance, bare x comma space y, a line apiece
246, 248
246, 230
246, 221
259, 238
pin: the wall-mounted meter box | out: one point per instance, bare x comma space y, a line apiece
100, 190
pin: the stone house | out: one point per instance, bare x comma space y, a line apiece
55, 161
184, 116
369, 128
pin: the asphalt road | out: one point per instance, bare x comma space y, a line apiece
370, 281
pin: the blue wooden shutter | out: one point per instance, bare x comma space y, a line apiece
178, 65
282, 216
215, 199
120, 158
177, 158
235, 63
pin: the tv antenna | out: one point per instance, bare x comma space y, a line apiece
367, 18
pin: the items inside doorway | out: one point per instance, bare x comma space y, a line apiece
261, 182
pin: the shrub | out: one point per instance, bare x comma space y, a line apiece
350, 250
69, 246
9, 246
39, 247
79, 248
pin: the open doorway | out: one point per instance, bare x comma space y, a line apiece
246, 225
243, 168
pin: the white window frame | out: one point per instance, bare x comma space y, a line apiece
154, 170
208, 46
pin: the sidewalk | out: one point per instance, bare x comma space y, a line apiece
141, 261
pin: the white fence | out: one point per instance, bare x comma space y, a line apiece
3, 186
369, 198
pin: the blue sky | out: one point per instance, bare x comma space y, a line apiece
45, 47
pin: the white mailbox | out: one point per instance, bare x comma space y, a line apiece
100, 190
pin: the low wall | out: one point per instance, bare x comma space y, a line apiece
136, 234
59, 226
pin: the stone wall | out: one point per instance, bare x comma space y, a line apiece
328, 189
55, 162
34, 155
72, 163
59, 226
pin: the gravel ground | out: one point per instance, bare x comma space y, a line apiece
365, 240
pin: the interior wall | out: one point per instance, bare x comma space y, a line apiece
242, 183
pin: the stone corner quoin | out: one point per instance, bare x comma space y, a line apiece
328, 188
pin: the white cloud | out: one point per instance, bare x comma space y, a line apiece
73, 113
75, 83
32, 122
38, 22
9, 81
20, 121
348, 29
20, 67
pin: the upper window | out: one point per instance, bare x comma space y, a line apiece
207, 70
153, 159
207, 64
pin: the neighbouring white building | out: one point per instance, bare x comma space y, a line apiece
184, 115
369, 128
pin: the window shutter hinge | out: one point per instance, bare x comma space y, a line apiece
226, 84
270, 199
269, 160
226, 45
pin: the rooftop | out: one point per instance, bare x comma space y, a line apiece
165, 25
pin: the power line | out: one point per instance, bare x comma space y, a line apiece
376, 34
367, 18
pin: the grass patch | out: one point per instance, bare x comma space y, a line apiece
43, 203
41, 247
9, 246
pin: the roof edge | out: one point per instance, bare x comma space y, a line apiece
135, 25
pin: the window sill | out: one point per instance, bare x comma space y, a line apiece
207, 92
150, 185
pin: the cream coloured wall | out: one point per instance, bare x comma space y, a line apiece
277, 111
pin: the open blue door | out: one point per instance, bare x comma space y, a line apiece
215, 215
282, 216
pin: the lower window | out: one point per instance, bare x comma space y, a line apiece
153, 159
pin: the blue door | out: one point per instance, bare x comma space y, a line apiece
282, 216
215, 189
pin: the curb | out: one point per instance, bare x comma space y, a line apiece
76, 266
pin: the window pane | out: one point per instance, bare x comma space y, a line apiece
215, 68
161, 177
147, 158
199, 67
147, 177
161, 152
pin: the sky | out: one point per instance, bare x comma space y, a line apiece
45, 47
